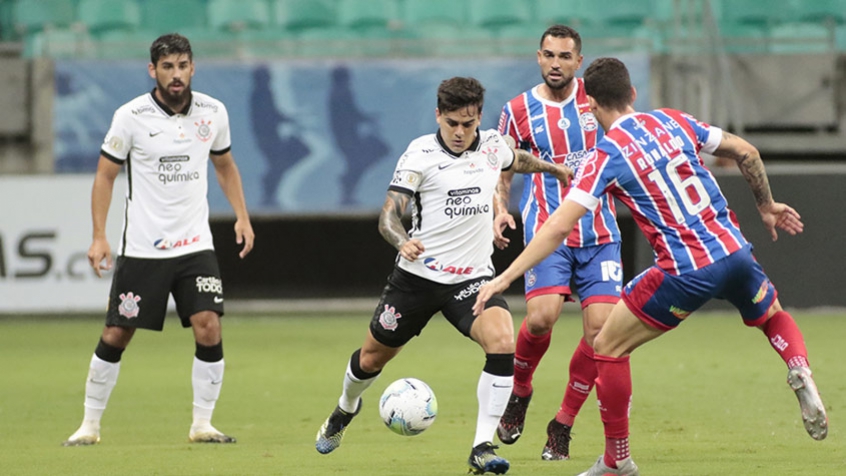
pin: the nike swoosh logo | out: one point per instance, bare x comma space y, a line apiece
216, 382
218, 299
154, 134
501, 386
441, 167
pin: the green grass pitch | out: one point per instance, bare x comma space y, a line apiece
710, 398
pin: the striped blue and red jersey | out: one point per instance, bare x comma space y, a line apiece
562, 133
651, 163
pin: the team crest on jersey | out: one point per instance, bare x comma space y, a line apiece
388, 319
563, 123
128, 307
493, 163
204, 132
116, 143
531, 277
588, 121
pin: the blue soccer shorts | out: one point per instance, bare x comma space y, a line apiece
595, 273
663, 300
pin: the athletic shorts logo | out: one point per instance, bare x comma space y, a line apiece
531, 277
470, 290
129, 305
762, 292
209, 284
680, 313
388, 319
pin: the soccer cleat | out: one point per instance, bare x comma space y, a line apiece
330, 434
557, 443
511, 424
483, 460
208, 434
813, 410
625, 467
84, 436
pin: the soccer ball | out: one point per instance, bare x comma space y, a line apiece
408, 406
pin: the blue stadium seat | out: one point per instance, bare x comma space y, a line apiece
169, 16
298, 15
29, 16
493, 14
238, 15
100, 16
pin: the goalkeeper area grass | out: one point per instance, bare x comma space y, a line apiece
710, 398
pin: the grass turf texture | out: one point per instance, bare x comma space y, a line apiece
710, 398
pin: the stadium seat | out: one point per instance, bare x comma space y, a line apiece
493, 14
208, 43
427, 12
564, 12
447, 40
124, 44
168, 16
801, 37
29, 16
100, 16
344, 42
618, 12
297, 15
368, 14
238, 15
57, 43
743, 38
819, 11
754, 12
522, 39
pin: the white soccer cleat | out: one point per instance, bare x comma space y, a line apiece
208, 434
625, 467
813, 410
84, 436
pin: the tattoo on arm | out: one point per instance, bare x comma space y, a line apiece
752, 168
526, 163
503, 192
390, 220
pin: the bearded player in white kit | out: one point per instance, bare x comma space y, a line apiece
165, 139
450, 177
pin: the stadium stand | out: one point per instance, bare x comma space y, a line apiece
238, 15
281, 28
298, 15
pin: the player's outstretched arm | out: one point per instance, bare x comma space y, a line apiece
550, 236
229, 179
391, 228
774, 215
526, 163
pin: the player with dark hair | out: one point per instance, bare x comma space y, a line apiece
553, 120
166, 139
651, 162
450, 177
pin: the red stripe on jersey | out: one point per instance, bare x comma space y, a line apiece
696, 248
681, 118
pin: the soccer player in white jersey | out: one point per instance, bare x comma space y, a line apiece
450, 176
165, 139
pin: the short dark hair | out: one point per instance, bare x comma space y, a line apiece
607, 81
170, 44
563, 31
457, 93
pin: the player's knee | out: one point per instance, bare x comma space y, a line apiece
540, 322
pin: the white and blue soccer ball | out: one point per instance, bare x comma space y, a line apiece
408, 406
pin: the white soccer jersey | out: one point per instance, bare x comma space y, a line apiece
452, 212
166, 156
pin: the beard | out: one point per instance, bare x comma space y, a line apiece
559, 84
174, 100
